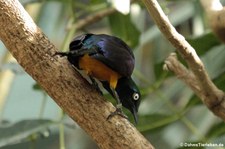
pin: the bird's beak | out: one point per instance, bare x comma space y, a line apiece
134, 112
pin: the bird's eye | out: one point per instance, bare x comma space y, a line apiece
136, 96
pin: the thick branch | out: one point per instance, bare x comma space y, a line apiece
210, 94
70, 91
216, 17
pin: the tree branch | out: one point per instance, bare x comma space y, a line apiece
210, 94
71, 92
216, 17
182, 73
93, 18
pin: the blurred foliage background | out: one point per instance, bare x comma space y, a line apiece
170, 114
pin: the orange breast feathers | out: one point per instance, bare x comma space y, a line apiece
98, 70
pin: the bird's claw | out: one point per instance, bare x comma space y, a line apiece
117, 112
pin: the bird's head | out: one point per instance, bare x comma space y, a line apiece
129, 95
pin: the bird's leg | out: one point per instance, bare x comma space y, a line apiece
119, 110
95, 84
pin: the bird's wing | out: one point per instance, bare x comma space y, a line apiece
114, 53
110, 50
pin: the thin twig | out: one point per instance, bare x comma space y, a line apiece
93, 18
182, 73
210, 94
81, 24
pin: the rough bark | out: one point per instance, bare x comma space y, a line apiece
71, 92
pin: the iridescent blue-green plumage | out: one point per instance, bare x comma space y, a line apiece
115, 54
110, 50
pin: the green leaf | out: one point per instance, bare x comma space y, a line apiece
194, 101
214, 61
21, 130
122, 27
93, 2
204, 43
37, 87
219, 81
216, 131
155, 121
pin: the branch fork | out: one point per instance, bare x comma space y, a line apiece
197, 77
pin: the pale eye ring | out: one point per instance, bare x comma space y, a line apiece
136, 96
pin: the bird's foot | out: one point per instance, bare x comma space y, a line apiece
118, 111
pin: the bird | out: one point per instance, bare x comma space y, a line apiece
111, 61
